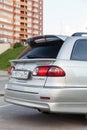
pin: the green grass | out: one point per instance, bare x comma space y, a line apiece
10, 54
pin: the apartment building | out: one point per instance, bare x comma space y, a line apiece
20, 19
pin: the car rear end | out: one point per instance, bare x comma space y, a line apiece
36, 78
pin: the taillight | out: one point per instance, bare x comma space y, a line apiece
10, 69
51, 71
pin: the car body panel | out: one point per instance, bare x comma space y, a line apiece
66, 49
62, 99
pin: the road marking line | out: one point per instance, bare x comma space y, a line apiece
5, 106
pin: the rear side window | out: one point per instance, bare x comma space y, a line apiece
80, 50
49, 50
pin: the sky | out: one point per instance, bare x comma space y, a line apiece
64, 16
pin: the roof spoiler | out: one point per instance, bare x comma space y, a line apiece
35, 41
80, 34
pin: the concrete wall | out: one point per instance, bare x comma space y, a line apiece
4, 47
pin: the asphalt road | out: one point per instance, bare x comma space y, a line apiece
14, 117
19, 118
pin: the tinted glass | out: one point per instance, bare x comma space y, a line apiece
43, 52
80, 50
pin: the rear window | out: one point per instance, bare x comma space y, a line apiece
49, 50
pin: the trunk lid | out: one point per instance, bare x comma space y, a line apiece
28, 65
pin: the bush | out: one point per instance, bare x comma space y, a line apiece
17, 44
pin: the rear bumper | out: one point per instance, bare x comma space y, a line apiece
67, 100
31, 104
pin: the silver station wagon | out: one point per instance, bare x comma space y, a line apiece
52, 76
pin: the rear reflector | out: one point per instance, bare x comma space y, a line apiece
45, 98
50, 71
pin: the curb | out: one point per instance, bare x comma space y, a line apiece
3, 73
